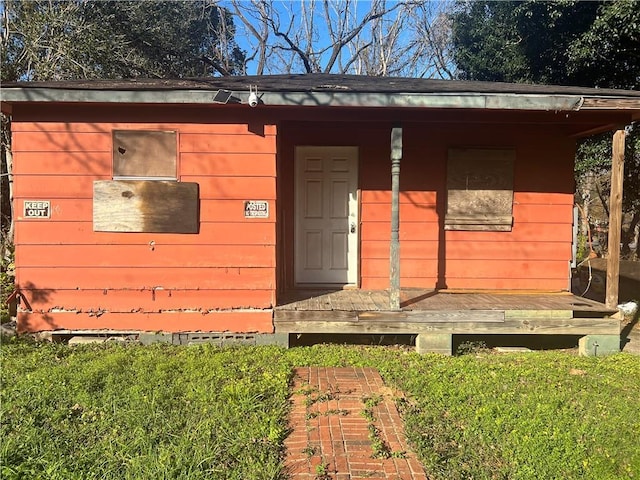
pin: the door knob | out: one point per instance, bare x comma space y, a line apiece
353, 227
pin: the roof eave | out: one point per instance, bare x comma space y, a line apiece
462, 100
454, 100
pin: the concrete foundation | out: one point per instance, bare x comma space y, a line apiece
598, 345
441, 343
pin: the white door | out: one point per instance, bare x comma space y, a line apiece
326, 215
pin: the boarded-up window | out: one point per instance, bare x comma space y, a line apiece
144, 154
144, 195
145, 206
480, 189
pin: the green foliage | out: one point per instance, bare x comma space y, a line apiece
124, 412
608, 52
322, 471
59, 39
562, 42
7, 278
541, 415
127, 412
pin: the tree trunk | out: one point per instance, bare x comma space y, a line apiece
7, 189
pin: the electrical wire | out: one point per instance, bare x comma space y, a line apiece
592, 253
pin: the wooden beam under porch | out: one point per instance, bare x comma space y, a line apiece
426, 311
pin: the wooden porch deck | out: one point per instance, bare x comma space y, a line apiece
427, 311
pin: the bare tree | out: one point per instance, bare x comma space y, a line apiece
380, 37
429, 49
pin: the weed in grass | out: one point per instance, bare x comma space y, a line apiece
378, 445
367, 413
322, 471
380, 448
309, 450
334, 411
337, 411
369, 404
372, 401
306, 391
330, 394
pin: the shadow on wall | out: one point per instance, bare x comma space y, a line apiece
30, 297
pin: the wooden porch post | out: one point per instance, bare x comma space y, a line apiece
394, 255
615, 219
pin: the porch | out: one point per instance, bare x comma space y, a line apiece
422, 311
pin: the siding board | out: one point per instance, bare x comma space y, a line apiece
489, 251
146, 300
408, 231
196, 142
534, 213
259, 321
47, 141
523, 232
511, 269
211, 187
231, 278
228, 164
540, 284
238, 188
102, 127
52, 186
542, 198
71, 163
413, 268
409, 212
470, 250
135, 256
384, 196
550, 284
414, 249
81, 233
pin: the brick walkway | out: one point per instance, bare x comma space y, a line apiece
345, 426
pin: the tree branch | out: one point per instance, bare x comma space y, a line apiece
215, 65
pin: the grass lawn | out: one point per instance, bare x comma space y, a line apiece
167, 412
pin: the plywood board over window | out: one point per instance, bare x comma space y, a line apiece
144, 195
144, 154
480, 189
145, 206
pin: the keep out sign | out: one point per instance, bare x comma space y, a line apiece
37, 209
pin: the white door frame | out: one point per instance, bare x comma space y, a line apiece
331, 227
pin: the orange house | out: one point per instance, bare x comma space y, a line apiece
301, 203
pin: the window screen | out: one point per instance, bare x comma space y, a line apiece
144, 154
480, 189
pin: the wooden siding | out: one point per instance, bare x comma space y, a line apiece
222, 278
534, 255
225, 276
235, 321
